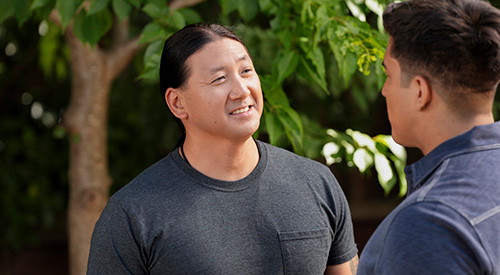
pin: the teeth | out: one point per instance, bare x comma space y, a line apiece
239, 111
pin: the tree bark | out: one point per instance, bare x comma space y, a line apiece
93, 72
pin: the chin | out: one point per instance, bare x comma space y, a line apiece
398, 139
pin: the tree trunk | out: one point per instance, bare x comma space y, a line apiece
93, 72
86, 121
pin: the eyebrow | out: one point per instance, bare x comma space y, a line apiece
220, 68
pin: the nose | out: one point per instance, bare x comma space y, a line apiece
239, 89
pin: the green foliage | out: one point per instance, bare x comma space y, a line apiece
364, 152
315, 39
308, 34
320, 67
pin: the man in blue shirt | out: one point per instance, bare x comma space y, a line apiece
443, 69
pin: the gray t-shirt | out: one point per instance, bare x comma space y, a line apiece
289, 216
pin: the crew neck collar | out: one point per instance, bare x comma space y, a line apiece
221, 185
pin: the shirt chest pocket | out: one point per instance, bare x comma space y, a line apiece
305, 252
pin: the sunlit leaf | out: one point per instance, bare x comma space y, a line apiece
122, 8
329, 150
362, 159
384, 172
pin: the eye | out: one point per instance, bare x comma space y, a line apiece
247, 71
218, 79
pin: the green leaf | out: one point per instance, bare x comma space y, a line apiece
287, 65
229, 6
38, 4
276, 96
292, 125
90, 28
265, 5
190, 16
317, 58
48, 50
122, 8
158, 3
384, 172
248, 10
297, 121
153, 31
153, 52
22, 10
43, 7
155, 11
97, 6
348, 67
67, 9
150, 74
273, 127
6, 9
311, 75
78, 25
362, 159
176, 20
135, 3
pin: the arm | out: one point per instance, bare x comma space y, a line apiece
347, 268
114, 248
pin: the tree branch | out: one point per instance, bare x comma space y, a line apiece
54, 17
122, 48
119, 57
179, 4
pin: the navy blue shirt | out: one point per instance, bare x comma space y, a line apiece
450, 221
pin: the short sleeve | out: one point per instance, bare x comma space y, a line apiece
116, 244
428, 238
343, 246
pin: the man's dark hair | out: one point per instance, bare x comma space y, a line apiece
453, 43
179, 47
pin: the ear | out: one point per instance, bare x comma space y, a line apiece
175, 102
424, 93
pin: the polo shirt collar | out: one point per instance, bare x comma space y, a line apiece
482, 137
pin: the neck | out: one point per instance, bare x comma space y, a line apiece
222, 160
442, 128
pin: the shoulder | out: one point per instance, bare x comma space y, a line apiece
428, 236
290, 160
149, 183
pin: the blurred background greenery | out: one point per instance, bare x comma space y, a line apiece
35, 83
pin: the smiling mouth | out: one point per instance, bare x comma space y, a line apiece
242, 110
